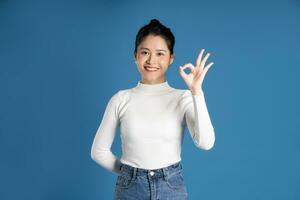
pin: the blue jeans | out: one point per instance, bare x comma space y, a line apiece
159, 184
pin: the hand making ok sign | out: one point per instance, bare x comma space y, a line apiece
195, 78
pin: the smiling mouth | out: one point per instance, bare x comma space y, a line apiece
151, 69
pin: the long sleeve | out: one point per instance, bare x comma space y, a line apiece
198, 120
101, 147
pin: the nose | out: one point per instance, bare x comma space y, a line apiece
151, 59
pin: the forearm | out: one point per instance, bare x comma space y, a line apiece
106, 159
202, 128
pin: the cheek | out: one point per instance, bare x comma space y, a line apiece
164, 61
140, 58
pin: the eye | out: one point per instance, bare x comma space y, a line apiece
161, 54
144, 52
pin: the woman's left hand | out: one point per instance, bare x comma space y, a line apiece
195, 78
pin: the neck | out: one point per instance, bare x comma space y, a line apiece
152, 81
161, 87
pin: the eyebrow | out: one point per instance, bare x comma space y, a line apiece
156, 49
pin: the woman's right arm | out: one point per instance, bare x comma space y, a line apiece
101, 147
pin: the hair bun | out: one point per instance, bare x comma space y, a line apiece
154, 22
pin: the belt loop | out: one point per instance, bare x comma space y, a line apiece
165, 173
134, 173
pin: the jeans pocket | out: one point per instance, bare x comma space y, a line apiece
175, 181
124, 180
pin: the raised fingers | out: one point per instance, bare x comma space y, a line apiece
201, 63
198, 61
204, 60
207, 68
204, 71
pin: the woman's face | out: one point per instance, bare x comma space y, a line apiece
152, 59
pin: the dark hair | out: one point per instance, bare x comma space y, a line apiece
157, 29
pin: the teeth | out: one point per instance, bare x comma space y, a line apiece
151, 68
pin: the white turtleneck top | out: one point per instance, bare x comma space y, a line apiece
152, 119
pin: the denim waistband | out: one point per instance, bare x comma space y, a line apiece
161, 172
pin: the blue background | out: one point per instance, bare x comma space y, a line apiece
62, 61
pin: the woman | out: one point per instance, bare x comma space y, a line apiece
152, 117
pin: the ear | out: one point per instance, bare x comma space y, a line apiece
172, 58
134, 59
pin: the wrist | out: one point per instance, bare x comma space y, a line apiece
196, 91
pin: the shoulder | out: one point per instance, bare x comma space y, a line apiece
121, 95
183, 93
185, 98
